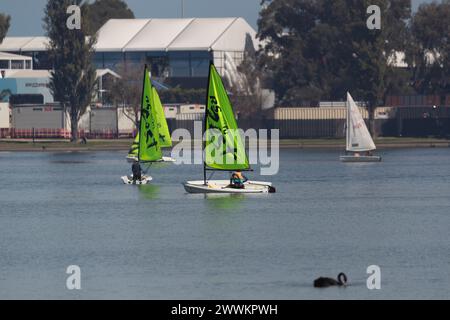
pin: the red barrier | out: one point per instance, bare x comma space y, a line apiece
5, 133
43, 133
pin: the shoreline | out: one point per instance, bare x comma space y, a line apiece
7, 145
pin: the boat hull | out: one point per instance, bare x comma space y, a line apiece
164, 159
361, 159
143, 181
222, 186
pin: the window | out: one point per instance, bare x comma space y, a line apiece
112, 59
179, 64
4, 64
200, 67
98, 60
135, 57
41, 61
17, 64
28, 64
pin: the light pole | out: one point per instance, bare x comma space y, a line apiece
182, 8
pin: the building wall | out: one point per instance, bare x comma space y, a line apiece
38, 117
4, 115
28, 86
103, 119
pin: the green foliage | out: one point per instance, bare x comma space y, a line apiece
319, 49
4, 25
180, 95
127, 91
431, 48
246, 96
73, 76
99, 12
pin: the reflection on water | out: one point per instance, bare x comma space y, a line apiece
68, 162
227, 202
326, 217
149, 191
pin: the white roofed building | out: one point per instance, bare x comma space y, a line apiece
177, 49
12, 62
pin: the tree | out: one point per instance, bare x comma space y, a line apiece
319, 49
431, 48
73, 76
99, 12
127, 91
4, 25
246, 94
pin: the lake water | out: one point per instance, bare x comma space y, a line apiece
157, 242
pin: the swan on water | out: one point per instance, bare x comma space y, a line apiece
329, 282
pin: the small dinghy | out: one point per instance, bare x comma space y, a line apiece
132, 159
143, 181
153, 132
223, 186
358, 137
223, 147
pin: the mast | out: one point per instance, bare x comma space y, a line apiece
347, 129
140, 116
211, 63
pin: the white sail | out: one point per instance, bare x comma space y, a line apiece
358, 137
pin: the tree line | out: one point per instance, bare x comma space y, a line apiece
318, 49
313, 50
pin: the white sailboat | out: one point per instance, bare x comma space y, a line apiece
358, 137
228, 156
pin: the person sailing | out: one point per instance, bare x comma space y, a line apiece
237, 180
137, 171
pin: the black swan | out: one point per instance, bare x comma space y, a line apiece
328, 282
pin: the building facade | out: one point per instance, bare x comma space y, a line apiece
177, 50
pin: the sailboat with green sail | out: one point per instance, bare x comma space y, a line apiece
223, 147
149, 138
165, 140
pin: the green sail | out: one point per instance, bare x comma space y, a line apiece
149, 148
165, 140
228, 152
134, 150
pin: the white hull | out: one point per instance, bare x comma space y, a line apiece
164, 159
222, 186
361, 158
129, 180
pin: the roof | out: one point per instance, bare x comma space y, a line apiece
24, 44
46, 73
102, 72
10, 56
128, 35
28, 74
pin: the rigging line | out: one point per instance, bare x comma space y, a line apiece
148, 168
211, 175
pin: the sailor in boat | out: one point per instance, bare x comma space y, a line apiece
137, 171
237, 180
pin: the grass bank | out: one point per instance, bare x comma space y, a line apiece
8, 145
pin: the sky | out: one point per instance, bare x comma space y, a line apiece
27, 14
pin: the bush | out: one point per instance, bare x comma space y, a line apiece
180, 95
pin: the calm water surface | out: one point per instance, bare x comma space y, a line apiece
157, 242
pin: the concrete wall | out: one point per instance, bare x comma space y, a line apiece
38, 117
103, 119
4, 115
